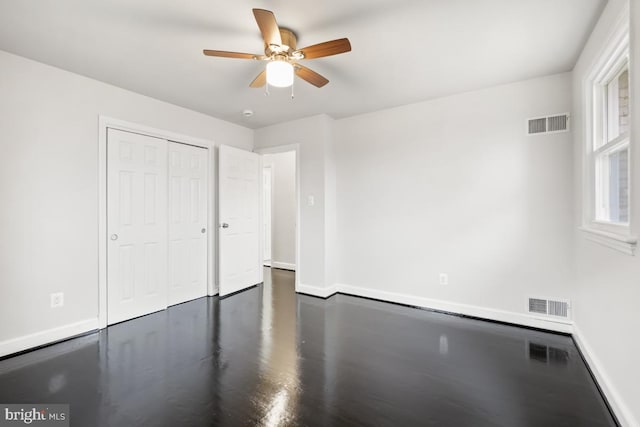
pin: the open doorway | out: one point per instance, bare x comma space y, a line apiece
280, 210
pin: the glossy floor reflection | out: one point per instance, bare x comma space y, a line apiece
270, 357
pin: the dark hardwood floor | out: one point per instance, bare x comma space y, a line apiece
270, 357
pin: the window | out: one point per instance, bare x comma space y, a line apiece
608, 145
611, 146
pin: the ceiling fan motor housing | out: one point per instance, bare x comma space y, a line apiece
288, 46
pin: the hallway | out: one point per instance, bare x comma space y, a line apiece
268, 356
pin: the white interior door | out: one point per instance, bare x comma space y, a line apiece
239, 198
188, 225
136, 225
266, 214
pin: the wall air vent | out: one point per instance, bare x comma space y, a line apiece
556, 308
537, 306
549, 124
537, 126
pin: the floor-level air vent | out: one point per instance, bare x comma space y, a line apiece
549, 124
546, 307
558, 308
537, 305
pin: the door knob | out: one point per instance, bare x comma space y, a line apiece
224, 225
204, 230
114, 237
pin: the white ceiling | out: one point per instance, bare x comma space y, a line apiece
403, 50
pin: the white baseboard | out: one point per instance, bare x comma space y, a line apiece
622, 411
317, 291
457, 308
32, 358
283, 265
15, 345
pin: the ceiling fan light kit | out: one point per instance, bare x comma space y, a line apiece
279, 73
282, 56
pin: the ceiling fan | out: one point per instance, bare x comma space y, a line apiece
282, 55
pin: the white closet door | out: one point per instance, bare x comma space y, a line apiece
188, 227
136, 225
240, 196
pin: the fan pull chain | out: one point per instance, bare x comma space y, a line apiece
292, 85
266, 89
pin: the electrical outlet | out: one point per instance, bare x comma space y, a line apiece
444, 279
311, 200
57, 300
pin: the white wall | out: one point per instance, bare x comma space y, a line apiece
49, 189
455, 185
331, 212
314, 135
607, 288
283, 208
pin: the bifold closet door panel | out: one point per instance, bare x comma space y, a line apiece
188, 222
136, 225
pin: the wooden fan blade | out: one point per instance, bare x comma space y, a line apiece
268, 26
311, 76
334, 47
260, 80
225, 54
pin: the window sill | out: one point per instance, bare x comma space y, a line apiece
624, 243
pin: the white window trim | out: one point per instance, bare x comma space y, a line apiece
619, 242
607, 65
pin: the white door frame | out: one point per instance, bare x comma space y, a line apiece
105, 123
284, 149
